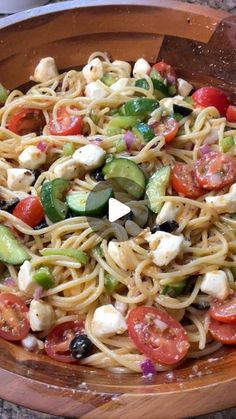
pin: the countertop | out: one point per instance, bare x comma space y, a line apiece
10, 410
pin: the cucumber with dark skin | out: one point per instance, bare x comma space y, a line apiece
156, 187
11, 251
91, 204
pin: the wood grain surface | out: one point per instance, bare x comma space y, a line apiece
190, 40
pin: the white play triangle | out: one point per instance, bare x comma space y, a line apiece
116, 210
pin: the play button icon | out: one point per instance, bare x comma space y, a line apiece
117, 210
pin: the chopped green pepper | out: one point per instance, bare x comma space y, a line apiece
160, 89
44, 277
111, 284
144, 132
99, 251
226, 143
118, 123
155, 75
189, 100
121, 145
109, 79
142, 83
175, 289
68, 149
139, 107
77, 254
52, 193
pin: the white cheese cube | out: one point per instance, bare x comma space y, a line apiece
95, 90
141, 67
184, 87
107, 321
32, 344
118, 253
41, 316
67, 169
124, 66
45, 70
164, 247
120, 84
168, 212
90, 156
93, 70
215, 284
32, 158
25, 282
19, 179
224, 203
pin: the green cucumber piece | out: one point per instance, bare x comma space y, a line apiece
156, 187
11, 251
155, 75
128, 175
109, 79
160, 89
77, 254
4, 93
226, 143
92, 204
142, 83
175, 289
144, 132
111, 284
121, 145
118, 123
68, 149
52, 193
139, 107
44, 277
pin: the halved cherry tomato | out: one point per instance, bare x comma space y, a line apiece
184, 181
211, 96
58, 340
231, 114
168, 127
223, 332
14, 324
167, 72
215, 170
66, 124
27, 120
157, 335
224, 311
30, 210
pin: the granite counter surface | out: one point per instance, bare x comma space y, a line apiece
12, 411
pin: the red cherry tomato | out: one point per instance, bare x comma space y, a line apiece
168, 127
27, 120
166, 71
30, 210
184, 181
223, 332
158, 335
14, 324
215, 170
57, 342
231, 114
66, 124
211, 96
224, 311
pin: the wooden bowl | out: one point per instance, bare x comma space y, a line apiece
201, 43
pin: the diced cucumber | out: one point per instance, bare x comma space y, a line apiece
155, 75
175, 289
144, 132
109, 79
226, 143
52, 194
111, 284
4, 93
139, 107
92, 204
68, 149
118, 123
77, 254
160, 89
156, 187
128, 175
11, 251
142, 83
121, 145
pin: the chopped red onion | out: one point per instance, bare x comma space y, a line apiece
9, 282
212, 137
42, 146
205, 149
96, 141
38, 293
148, 367
129, 138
